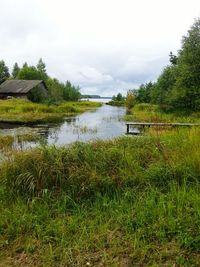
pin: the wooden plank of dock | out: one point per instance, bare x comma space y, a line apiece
159, 124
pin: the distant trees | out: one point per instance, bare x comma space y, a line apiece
118, 97
4, 71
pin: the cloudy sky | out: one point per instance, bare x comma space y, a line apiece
104, 46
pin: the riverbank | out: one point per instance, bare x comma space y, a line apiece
126, 202
152, 113
17, 111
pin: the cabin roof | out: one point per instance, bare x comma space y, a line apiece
19, 86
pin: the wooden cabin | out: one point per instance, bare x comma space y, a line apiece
28, 89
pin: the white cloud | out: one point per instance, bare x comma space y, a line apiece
103, 45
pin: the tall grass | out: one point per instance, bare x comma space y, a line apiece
125, 202
152, 113
23, 111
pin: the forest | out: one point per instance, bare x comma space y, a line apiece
178, 86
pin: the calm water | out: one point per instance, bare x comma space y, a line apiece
103, 123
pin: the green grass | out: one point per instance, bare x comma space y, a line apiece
152, 113
23, 111
7, 141
126, 202
117, 103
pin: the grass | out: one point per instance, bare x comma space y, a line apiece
152, 113
117, 103
125, 202
23, 111
7, 141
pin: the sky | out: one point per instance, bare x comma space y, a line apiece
104, 46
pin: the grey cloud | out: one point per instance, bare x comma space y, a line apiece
103, 55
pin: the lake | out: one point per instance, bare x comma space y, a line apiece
102, 123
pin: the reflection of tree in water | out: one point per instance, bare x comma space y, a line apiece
52, 130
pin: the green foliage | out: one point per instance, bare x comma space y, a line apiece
71, 92
173, 58
4, 71
145, 112
118, 97
37, 95
41, 67
130, 99
118, 100
15, 70
186, 93
162, 90
178, 86
29, 73
58, 92
144, 92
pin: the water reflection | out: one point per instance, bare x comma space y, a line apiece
102, 123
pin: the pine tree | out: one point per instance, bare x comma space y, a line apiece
15, 70
41, 67
4, 71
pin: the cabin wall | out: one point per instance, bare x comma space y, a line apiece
38, 93
6, 96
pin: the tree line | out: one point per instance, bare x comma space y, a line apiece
178, 86
57, 91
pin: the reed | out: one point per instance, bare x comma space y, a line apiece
152, 113
125, 202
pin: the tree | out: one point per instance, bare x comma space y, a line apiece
119, 97
130, 99
186, 92
172, 58
161, 92
4, 71
71, 92
29, 73
144, 92
41, 67
55, 90
25, 65
15, 70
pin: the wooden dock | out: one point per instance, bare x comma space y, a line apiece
153, 124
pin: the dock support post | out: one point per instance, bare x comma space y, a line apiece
127, 130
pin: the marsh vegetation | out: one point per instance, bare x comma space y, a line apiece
129, 201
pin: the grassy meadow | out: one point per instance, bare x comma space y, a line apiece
23, 111
132, 201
